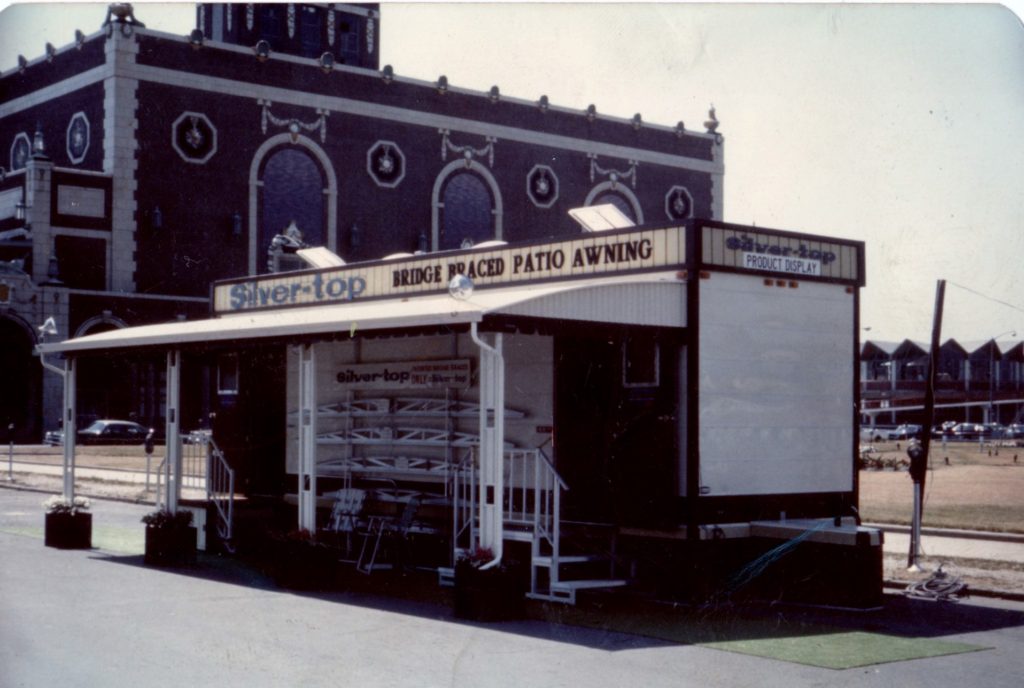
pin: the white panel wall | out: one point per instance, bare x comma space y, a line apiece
529, 361
776, 387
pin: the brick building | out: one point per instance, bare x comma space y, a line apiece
138, 167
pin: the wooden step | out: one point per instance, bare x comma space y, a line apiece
546, 561
517, 535
590, 584
565, 591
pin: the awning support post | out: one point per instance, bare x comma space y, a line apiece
492, 445
173, 434
70, 429
307, 438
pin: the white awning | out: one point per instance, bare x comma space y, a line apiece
655, 299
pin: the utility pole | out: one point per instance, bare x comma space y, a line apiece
919, 453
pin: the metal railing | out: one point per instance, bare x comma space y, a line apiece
204, 466
220, 490
531, 498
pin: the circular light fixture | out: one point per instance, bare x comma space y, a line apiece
460, 287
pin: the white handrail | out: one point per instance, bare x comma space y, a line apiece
531, 495
220, 489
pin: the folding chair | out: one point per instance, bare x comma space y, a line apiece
394, 529
345, 512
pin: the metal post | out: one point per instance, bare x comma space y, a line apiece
492, 444
10, 452
915, 531
173, 438
307, 438
70, 427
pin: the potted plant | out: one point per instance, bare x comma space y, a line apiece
170, 538
486, 594
68, 523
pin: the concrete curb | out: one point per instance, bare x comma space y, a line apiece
951, 533
109, 498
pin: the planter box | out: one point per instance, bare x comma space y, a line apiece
68, 531
492, 595
304, 566
174, 546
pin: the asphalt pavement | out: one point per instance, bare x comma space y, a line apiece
100, 618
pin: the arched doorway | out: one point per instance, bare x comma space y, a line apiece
20, 398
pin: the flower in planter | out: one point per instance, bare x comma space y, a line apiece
58, 504
300, 535
165, 519
477, 557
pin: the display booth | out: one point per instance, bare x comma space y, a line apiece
656, 407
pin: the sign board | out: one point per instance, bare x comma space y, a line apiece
753, 249
588, 255
407, 375
786, 264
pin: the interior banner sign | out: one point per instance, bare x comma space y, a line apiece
452, 374
786, 264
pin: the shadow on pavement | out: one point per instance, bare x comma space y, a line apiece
644, 622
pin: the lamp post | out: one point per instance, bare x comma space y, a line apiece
68, 376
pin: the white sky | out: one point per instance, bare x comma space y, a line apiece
899, 125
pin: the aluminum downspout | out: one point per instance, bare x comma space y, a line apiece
492, 443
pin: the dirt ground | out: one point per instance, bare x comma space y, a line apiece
979, 488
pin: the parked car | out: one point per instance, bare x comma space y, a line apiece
103, 432
870, 434
968, 431
905, 432
993, 430
1014, 431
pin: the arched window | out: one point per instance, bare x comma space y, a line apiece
618, 195
617, 201
467, 211
293, 190
290, 178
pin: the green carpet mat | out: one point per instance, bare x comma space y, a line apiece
119, 540
769, 637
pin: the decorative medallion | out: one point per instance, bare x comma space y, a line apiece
21, 149
291, 21
78, 138
542, 186
385, 163
678, 203
250, 16
194, 137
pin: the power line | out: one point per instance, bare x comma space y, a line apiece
985, 296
